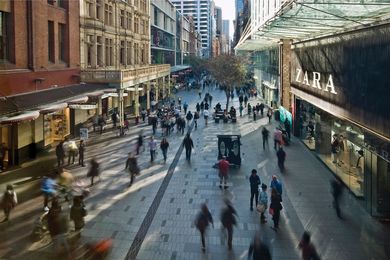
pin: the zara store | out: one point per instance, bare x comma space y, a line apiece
340, 95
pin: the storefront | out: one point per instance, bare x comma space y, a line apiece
340, 110
56, 124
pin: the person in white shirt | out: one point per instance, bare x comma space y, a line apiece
152, 147
206, 116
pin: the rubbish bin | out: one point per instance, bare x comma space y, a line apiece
229, 146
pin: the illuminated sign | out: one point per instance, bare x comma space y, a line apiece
303, 77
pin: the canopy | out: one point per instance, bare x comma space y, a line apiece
83, 106
82, 99
52, 107
23, 116
285, 115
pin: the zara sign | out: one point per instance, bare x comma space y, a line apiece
303, 77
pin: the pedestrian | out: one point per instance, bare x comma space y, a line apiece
265, 134
206, 106
102, 123
200, 94
60, 154
281, 154
164, 145
228, 220
114, 118
275, 183
196, 117
269, 114
258, 249
275, 207
152, 148
132, 164
154, 124
202, 221
246, 100
206, 116
197, 107
81, 153
337, 191
143, 114
309, 252
48, 188
261, 109
95, 121
94, 170
241, 99
210, 99
185, 106
3, 150
140, 141
58, 226
278, 135
249, 109
254, 114
223, 171
241, 109
263, 201
8, 201
201, 106
254, 181
77, 214
287, 127
71, 147
189, 117
188, 145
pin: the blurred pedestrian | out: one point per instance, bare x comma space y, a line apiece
246, 100
275, 207
309, 252
132, 164
81, 153
223, 172
202, 221
48, 188
58, 226
275, 183
258, 249
77, 214
143, 114
278, 135
281, 154
185, 106
269, 114
140, 142
228, 220
189, 117
337, 190
206, 116
241, 109
114, 118
93, 170
152, 148
188, 145
254, 181
263, 201
8, 201
265, 134
60, 154
261, 109
196, 117
164, 145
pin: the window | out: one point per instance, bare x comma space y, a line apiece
4, 36
155, 16
50, 41
136, 52
122, 55
99, 56
99, 9
129, 56
59, 3
108, 14
62, 42
109, 52
136, 25
129, 21
143, 55
141, 27
122, 19
89, 9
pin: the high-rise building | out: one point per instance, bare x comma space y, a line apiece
200, 10
242, 14
226, 28
218, 19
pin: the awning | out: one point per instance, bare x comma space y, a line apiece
52, 108
306, 19
23, 116
82, 99
83, 106
285, 115
113, 95
179, 68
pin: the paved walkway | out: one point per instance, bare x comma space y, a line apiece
118, 212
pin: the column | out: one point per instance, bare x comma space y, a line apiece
148, 95
99, 106
169, 85
120, 106
164, 87
136, 101
284, 67
156, 90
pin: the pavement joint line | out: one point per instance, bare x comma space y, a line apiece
143, 229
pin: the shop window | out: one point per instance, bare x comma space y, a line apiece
62, 48
51, 42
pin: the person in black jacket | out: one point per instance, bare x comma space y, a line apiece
275, 207
188, 144
228, 220
258, 249
254, 181
202, 222
60, 153
132, 164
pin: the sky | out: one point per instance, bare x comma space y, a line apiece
228, 10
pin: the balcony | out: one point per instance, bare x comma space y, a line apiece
125, 77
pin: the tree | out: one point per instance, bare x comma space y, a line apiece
229, 71
197, 64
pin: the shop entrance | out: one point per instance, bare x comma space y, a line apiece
55, 126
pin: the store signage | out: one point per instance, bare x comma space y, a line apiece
303, 77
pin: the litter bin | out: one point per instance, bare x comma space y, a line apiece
229, 146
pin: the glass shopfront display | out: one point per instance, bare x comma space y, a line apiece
56, 126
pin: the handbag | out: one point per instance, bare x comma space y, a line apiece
271, 211
260, 208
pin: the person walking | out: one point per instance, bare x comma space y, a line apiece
281, 154
228, 220
58, 226
77, 214
8, 201
140, 142
278, 135
246, 100
269, 114
94, 170
254, 181
261, 109
196, 117
188, 145
185, 106
152, 148
241, 108
337, 191
206, 116
189, 117
254, 114
71, 147
258, 249
309, 252
132, 165
102, 123
154, 124
164, 145
275, 183
202, 221
81, 153
223, 171
275, 207
114, 118
60, 154
263, 201
143, 114
48, 188
265, 134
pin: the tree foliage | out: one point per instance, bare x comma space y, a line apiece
197, 64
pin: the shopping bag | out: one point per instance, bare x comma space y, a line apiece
260, 208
